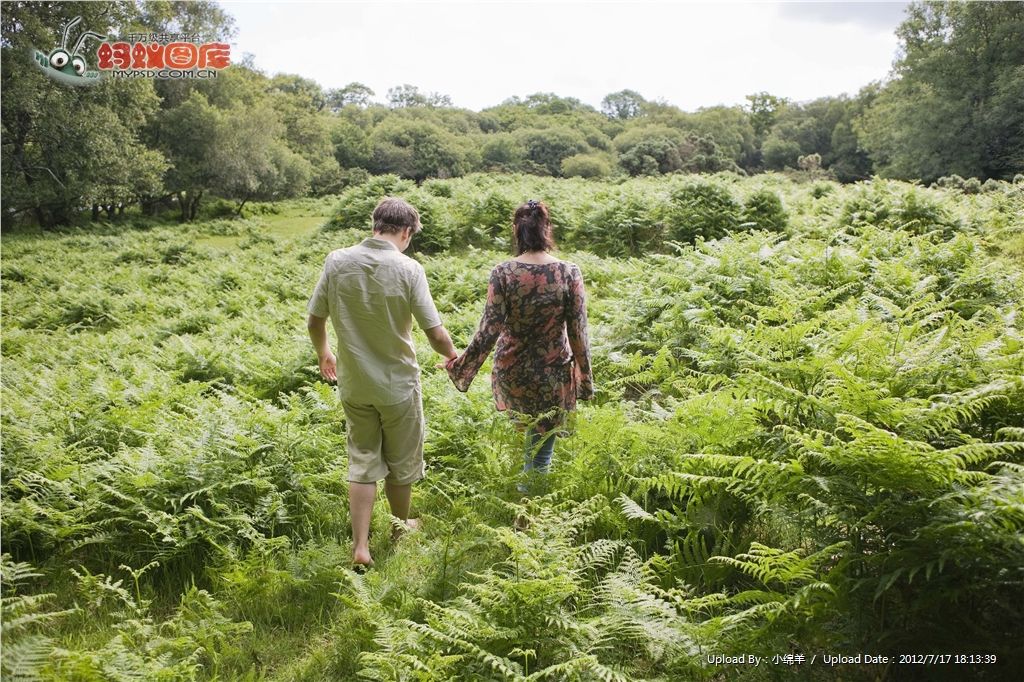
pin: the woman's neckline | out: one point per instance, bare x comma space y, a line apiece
519, 262
535, 254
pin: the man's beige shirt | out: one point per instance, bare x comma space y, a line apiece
372, 292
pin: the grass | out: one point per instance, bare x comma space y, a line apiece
162, 401
282, 226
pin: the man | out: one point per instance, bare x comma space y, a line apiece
372, 292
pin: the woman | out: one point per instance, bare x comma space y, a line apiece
536, 312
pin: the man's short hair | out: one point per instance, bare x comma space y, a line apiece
393, 215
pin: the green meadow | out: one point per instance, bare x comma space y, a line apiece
807, 438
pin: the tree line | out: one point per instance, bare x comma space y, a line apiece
951, 107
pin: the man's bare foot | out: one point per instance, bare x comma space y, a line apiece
361, 557
400, 528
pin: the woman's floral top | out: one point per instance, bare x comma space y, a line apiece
537, 314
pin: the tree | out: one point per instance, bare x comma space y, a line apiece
809, 126
500, 152
651, 156
731, 129
546, 148
763, 109
623, 105
75, 152
118, 170
308, 133
587, 166
663, 113
67, 148
550, 103
849, 161
700, 154
410, 96
355, 94
954, 105
649, 150
250, 159
53, 134
202, 18
825, 127
352, 147
188, 137
307, 92
406, 96
416, 149
778, 153
206, 19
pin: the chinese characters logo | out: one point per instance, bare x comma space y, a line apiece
140, 55
163, 55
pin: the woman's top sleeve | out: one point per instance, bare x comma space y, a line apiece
579, 341
464, 368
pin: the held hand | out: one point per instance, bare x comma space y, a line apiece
329, 367
447, 363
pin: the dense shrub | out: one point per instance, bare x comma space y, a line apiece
485, 218
821, 189
547, 148
501, 152
586, 166
439, 232
649, 149
917, 211
356, 204
780, 153
623, 225
763, 210
911, 208
417, 149
700, 210
971, 186
950, 182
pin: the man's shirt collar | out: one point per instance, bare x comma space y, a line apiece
376, 243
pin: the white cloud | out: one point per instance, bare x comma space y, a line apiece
690, 54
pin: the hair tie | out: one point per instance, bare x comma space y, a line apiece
532, 203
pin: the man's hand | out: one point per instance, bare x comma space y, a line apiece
317, 327
444, 365
329, 367
441, 342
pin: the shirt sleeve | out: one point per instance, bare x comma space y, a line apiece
423, 308
579, 341
464, 368
318, 301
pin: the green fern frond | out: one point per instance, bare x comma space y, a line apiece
632, 510
24, 659
509, 669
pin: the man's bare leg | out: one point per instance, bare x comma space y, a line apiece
400, 499
360, 501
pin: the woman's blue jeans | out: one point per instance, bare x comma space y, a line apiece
537, 457
538, 453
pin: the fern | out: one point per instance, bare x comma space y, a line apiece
25, 650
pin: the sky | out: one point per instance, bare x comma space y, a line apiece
688, 54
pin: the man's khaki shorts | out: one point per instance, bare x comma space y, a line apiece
385, 441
